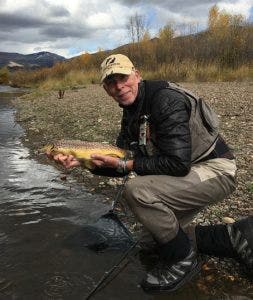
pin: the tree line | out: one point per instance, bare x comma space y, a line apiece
227, 42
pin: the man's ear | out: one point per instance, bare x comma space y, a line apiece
138, 74
107, 90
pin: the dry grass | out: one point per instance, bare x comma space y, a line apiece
73, 79
189, 71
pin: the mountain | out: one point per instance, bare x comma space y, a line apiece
15, 61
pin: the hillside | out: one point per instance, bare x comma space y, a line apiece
29, 61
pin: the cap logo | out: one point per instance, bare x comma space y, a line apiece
110, 60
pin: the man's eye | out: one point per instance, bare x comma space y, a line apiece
109, 81
116, 78
122, 77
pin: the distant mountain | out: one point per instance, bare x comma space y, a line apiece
30, 61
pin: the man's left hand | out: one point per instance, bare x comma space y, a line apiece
104, 161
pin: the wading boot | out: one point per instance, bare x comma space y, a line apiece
232, 240
174, 269
241, 237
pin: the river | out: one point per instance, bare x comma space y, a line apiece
38, 213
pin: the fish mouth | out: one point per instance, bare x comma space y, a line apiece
44, 149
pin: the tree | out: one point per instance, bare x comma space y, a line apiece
213, 17
137, 27
226, 37
164, 44
166, 33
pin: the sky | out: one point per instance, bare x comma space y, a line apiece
72, 27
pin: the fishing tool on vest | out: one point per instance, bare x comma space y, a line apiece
143, 130
144, 133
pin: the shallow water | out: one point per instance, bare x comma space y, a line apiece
39, 212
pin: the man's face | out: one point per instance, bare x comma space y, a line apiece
123, 88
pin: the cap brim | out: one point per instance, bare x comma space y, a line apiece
116, 71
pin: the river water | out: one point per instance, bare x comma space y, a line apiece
38, 213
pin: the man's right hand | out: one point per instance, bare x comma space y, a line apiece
68, 161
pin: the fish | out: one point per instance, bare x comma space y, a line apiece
82, 150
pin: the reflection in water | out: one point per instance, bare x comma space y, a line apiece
39, 212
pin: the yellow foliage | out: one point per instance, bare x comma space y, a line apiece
4, 76
220, 21
166, 33
146, 36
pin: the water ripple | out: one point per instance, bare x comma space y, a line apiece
64, 284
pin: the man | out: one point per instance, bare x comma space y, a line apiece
183, 164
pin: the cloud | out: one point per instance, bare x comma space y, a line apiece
10, 21
100, 20
64, 31
69, 27
243, 7
58, 11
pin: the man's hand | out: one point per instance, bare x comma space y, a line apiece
104, 161
68, 161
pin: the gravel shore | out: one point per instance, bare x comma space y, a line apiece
89, 114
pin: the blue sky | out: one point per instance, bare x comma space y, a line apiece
71, 27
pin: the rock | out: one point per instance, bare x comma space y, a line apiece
228, 220
89, 175
131, 175
199, 220
112, 182
63, 177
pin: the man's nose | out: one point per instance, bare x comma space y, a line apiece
118, 84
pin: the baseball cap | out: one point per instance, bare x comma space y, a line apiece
116, 64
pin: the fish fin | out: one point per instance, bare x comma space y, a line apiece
112, 155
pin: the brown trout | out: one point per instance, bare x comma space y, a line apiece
82, 150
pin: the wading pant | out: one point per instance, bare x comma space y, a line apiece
162, 203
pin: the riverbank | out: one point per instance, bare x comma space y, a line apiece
89, 114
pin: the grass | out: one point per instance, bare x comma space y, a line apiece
189, 71
185, 71
73, 79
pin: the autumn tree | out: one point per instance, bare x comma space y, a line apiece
146, 52
165, 42
81, 62
213, 18
226, 37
